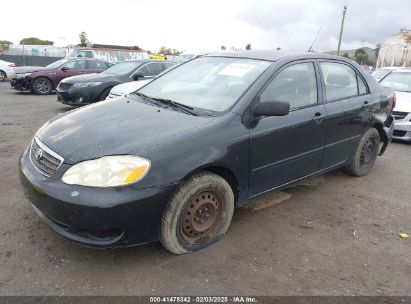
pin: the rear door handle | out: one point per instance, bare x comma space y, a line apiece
365, 105
318, 116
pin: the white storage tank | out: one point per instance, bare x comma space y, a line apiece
396, 50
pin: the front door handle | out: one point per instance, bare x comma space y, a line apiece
366, 106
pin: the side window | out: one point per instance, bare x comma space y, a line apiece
340, 80
97, 64
295, 84
151, 69
76, 65
362, 89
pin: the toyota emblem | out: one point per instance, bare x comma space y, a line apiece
38, 154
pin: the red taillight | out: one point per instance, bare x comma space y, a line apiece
394, 101
12, 65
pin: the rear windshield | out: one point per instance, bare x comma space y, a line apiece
380, 73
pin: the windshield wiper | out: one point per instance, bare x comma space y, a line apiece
145, 97
176, 104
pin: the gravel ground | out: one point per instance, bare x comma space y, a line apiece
332, 235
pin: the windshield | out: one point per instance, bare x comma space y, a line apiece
380, 73
400, 81
208, 83
122, 68
57, 63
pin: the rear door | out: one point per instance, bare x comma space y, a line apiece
348, 104
286, 148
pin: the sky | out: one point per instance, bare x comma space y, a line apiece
199, 25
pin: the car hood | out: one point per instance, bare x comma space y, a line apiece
403, 103
119, 126
129, 87
89, 78
29, 69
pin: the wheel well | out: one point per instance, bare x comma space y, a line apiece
33, 80
227, 174
380, 129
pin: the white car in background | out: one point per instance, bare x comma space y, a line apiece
400, 81
6, 69
126, 88
380, 73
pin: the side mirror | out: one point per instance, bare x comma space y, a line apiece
137, 77
271, 108
65, 69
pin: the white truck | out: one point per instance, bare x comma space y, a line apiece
112, 54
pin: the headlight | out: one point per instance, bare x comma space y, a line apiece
87, 84
21, 76
108, 171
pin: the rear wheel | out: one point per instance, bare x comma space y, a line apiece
2, 75
198, 214
366, 154
42, 86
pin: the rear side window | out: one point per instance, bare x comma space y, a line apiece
362, 89
151, 69
97, 64
295, 84
168, 65
340, 81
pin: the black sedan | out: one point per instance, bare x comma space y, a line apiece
171, 161
85, 89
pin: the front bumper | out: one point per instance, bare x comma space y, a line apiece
402, 129
101, 217
21, 84
71, 95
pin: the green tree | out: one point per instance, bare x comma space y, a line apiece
346, 55
248, 47
4, 44
361, 56
83, 39
35, 41
223, 47
168, 51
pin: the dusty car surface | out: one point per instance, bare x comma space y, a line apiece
171, 161
43, 80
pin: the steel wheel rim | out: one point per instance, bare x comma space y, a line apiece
43, 86
367, 152
200, 217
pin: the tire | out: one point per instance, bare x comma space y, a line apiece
365, 154
42, 86
105, 93
198, 214
3, 76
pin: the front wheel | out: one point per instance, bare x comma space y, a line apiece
366, 154
2, 76
198, 214
42, 86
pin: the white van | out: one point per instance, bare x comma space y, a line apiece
109, 55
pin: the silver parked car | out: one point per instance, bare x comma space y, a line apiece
400, 81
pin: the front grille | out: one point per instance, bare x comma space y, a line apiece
43, 159
399, 133
399, 115
64, 86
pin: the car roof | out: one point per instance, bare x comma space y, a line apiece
402, 70
273, 55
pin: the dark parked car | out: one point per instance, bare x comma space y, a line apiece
85, 89
43, 80
171, 161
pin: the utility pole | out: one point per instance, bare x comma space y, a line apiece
341, 31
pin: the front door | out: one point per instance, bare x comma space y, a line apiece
286, 148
